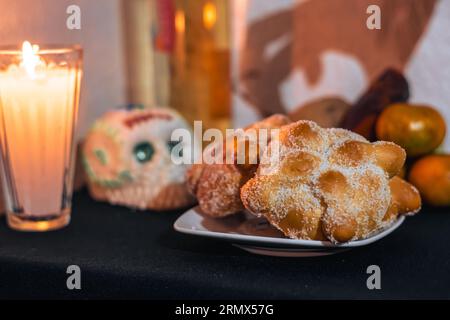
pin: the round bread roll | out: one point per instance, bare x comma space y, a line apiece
329, 184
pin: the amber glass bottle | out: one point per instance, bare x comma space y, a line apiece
200, 62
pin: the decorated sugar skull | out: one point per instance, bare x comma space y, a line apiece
127, 159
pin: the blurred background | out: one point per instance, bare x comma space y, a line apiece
44, 21
232, 62
288, 53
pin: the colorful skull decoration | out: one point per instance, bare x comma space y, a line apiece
127, 159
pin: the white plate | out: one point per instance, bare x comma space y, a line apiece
255, 235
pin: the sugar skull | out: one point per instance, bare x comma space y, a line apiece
127, 159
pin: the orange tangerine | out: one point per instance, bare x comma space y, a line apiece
431, 176
418, 129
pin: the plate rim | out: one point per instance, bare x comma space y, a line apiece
243, 238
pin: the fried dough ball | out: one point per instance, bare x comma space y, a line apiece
217, 186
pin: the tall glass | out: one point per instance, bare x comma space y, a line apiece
39, 98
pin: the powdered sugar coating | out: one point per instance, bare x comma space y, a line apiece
325, 183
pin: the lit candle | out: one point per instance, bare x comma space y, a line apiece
39, 93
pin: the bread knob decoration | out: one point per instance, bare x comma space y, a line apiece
127, 159
329, 184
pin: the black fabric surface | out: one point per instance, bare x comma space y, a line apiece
128, 254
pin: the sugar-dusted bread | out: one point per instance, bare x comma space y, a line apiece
329, 184
217, 186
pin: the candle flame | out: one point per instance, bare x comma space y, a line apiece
209, 15
30, 58
180, 21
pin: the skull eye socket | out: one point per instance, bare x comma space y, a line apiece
101, 156
173, 144
143, 152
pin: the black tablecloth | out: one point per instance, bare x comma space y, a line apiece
129, 254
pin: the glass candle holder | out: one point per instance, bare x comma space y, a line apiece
39, 98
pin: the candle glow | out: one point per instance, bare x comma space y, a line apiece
209, 15
38, 102
30, 59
